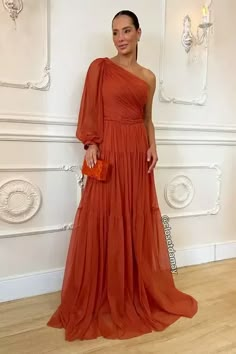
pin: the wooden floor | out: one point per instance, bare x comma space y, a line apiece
211, 331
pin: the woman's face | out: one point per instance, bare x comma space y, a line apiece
125, 35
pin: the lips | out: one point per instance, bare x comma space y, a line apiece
123, 46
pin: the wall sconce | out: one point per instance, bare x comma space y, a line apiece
188, 39
14, 7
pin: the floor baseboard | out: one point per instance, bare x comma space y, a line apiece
27, 285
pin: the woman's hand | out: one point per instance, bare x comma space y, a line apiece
152, 157
91, 155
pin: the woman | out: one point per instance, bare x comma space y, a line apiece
118, 281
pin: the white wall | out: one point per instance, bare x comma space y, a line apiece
37, 141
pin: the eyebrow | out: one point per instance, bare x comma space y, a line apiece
115, 29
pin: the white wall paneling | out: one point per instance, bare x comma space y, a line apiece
32, 284
38, 283
183, 77
37, 118
36, 127
184, 189
195, 136
18, 214
23, 64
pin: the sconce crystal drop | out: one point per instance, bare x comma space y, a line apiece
14, 7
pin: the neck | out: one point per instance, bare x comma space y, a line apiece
127, 60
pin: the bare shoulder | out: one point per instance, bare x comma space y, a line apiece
148, 76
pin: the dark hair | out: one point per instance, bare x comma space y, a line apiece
134, 18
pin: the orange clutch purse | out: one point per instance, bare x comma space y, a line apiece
98, 171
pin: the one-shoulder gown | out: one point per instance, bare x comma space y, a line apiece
118, 281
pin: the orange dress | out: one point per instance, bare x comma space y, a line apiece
118, 281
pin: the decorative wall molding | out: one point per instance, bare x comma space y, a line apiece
198, 101
176, 204
28, 137
72, 120
201, 99
11, 210
33, 118
219, 134
13, 8
195, 141
71, 138
39, 283
179, 192
178, 126
160, 141
38, 231
62, 168
76, 170
47, 229
45, 82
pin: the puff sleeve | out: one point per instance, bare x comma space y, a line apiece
90, 120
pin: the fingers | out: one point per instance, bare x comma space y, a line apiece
153, 164
90, 159
94, 157
149, 155
91, 156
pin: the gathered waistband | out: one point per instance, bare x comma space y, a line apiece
124, 120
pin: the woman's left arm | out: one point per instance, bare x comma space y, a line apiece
151, 153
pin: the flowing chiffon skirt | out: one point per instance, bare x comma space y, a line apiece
118, 282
